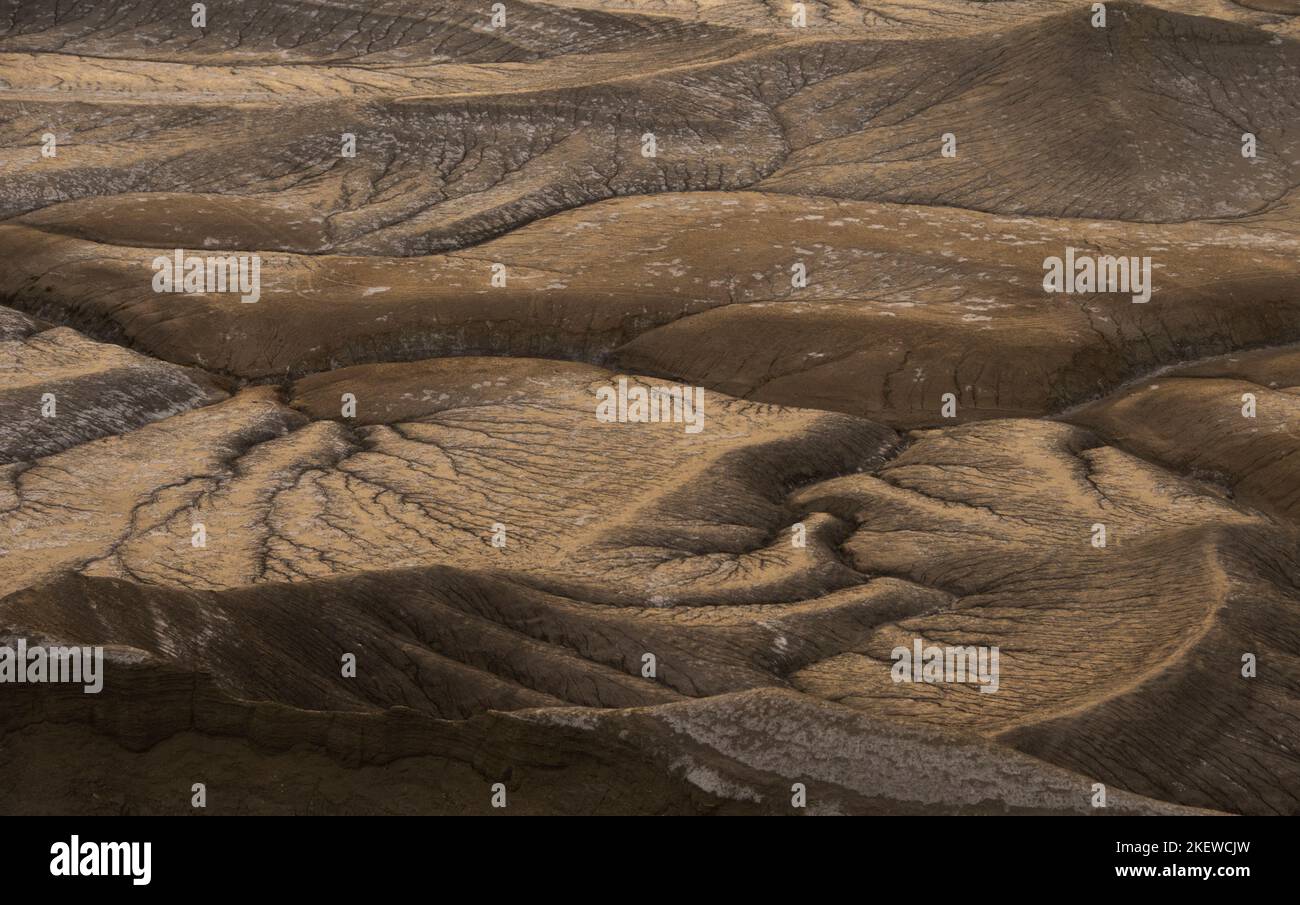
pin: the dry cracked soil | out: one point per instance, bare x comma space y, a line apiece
391, 527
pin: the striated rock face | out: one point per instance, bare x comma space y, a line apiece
651, 407
103, 389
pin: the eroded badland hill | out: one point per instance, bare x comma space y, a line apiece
599, 406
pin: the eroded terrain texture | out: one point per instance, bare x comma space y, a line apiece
386, 528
